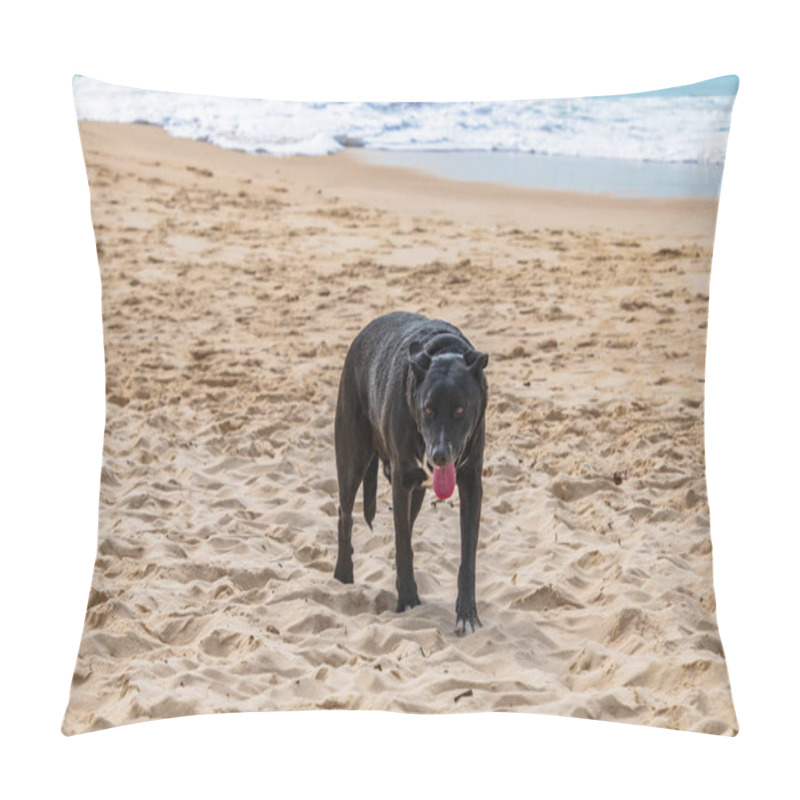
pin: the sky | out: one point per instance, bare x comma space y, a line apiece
726, 86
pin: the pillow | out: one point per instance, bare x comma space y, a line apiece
404, 407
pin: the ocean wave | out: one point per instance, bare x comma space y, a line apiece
643, 127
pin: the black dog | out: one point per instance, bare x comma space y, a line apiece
413, 394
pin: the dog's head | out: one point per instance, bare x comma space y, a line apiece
449, 399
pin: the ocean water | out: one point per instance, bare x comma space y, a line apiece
609, 176
602, 142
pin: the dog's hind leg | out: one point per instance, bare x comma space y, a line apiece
370, 490
354, 456
417, 496
351, 474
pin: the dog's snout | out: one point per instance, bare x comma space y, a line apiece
439, 456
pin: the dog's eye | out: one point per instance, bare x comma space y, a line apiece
428, 411
459, 411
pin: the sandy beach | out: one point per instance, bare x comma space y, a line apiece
232, 287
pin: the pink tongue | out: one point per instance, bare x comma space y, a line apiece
444, 481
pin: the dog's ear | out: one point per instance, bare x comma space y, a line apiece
419, 360
476, 361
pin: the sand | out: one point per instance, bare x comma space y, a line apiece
232, 287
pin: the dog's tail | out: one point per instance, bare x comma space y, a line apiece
370, 488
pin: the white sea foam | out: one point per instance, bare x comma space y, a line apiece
652, 127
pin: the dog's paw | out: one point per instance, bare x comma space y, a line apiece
467, 625
344, 572
408, 602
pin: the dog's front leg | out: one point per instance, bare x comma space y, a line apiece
470, 493
407, 596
